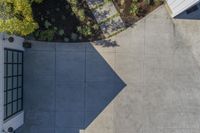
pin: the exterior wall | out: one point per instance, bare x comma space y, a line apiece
178, 6
1, 83
17, 120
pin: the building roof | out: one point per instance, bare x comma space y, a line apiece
178, 6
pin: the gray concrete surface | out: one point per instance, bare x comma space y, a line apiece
155, 66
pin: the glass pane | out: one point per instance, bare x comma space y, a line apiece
14, 70
9, 56
20, 69
20, 58
15, 94
14, 82
4, 111
5, 97
14, 57
5, 86
5, 56
9, 83
9, 109
19, 93
9, 70
9, 96
5, 69
19, 105
14, 107
19, 81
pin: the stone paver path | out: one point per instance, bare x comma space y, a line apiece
107, 17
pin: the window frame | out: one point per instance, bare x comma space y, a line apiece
17, 65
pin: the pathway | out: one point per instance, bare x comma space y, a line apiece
107, 17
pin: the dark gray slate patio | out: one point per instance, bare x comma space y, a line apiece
66, 86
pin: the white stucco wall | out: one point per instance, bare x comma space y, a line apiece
178, 6
1, 84
17, 120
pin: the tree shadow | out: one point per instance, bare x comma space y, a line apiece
66, 87
107, 43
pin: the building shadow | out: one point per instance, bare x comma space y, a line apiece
66, 86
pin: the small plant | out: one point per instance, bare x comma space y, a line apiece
46, 35
85, 30
47, 24
134, 9
61, 32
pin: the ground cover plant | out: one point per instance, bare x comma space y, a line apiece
65, 21
133, 10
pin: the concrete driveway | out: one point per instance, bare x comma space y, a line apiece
148, 81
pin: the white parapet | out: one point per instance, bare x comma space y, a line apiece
178, 6
17, 120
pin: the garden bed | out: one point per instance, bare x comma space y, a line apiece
133, 10
57, 22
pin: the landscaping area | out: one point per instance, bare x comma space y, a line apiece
133, 10
71, 20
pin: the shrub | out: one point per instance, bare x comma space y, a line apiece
17, 17
45, 35
85, 30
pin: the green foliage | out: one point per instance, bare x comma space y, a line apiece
85, 30
16, 17
46, 35
134, 8
78, 11
37, 1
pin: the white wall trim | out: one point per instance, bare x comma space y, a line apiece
179, 6
17, 120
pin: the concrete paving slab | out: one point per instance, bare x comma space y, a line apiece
43, 61
66, 130
39, 99
98, 95
70, 47
70, 96
41, 46
40, 118
69, 120
70, 67
98, 69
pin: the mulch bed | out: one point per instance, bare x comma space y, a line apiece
59, 14
144, 9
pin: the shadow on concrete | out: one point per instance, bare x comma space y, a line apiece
66, 87
107, 43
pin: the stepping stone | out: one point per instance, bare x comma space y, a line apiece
104, 12
94, 3
112, 26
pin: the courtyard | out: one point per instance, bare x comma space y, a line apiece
143, 80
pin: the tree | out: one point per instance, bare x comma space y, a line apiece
16, 17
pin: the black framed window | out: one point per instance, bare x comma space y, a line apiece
13, 82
